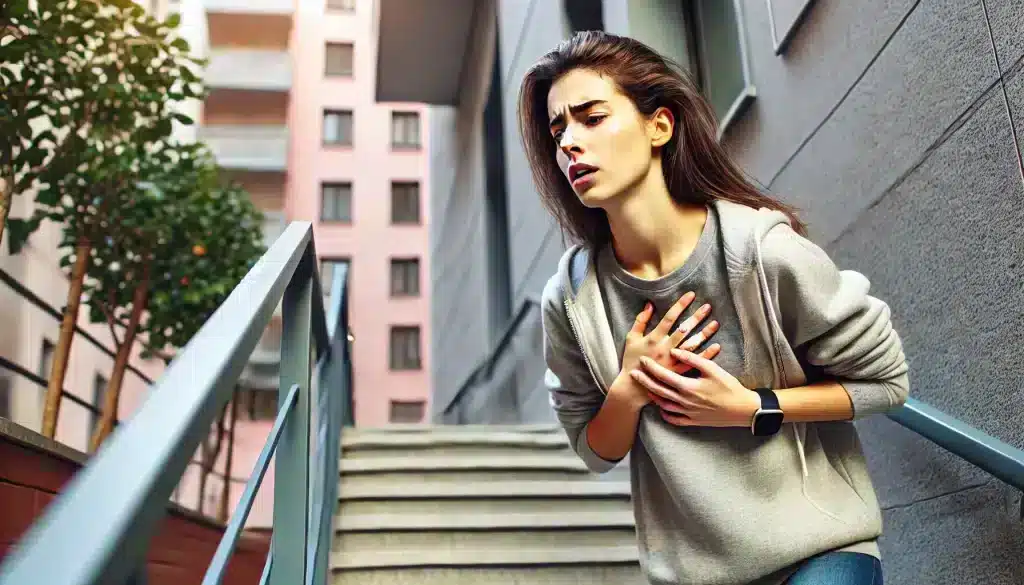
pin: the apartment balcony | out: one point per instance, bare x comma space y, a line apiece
249, 69
278, 7
248, 147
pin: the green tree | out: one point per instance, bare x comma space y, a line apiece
81, 78
185, 240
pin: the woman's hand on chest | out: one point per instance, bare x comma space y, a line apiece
715, 399
658, 344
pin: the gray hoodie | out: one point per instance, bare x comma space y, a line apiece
722, 507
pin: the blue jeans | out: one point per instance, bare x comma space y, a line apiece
839, 568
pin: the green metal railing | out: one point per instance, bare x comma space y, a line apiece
99, 529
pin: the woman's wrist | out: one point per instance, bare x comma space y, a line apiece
630, 393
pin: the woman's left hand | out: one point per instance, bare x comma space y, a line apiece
715, 399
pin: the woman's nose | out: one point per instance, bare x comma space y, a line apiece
568, 141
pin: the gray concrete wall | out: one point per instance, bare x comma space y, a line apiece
890, 124
461, 324
886, 123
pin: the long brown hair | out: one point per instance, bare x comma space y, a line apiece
697, 168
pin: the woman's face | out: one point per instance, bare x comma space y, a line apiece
604, 145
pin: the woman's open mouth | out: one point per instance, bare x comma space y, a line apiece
582, 175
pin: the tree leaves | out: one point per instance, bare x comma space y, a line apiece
106, 80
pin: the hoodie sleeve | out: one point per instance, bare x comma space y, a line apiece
829, 318
574, 394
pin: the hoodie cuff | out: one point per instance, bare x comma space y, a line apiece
870, 398
593, 461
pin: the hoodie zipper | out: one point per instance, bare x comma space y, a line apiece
579, 343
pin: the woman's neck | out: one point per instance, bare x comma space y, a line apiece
652, 235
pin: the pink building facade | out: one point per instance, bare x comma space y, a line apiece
358, 170
291, 115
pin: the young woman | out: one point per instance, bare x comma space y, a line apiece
745, 467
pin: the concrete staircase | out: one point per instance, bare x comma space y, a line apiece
482, 505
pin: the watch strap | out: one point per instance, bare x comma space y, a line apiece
769, 400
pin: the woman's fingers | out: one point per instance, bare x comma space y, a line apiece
677, 308
688, 325
679, 420
667, 405
642, 318
698, 340
710, 353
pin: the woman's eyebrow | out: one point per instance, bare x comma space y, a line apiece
560, 118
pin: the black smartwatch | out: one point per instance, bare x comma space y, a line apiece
768, 419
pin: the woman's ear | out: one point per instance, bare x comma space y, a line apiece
660, 126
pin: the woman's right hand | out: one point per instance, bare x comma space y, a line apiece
659, 343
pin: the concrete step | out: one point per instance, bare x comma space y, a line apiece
428, 463
470, 450
488, 489
479, 557
484, 506
365, 481
553, 575
454, 540
483, 521
444, 438
477, 429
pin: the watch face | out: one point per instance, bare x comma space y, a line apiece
767, 422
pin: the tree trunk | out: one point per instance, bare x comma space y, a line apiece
6, 199
62, 351
222, 512
112, 397
208, 458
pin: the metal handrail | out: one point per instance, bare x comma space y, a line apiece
484, 369
99, 529
970, 444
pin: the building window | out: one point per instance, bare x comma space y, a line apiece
256, 404
405, 348
5, 397
407, 411
405, 130
46, 360
405, 202
99, 390
338, 59
327, 267
721, 57
337, 127
405, 277
336, 202
341, 5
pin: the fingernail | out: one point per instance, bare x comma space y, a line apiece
634, 374
706, 308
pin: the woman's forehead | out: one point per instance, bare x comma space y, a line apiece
578, 87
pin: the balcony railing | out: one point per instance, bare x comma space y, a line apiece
249, 69
100, 528
285, 7
248, 147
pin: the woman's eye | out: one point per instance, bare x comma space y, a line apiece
592, 120
557, 136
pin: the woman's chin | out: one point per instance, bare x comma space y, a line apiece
594, 197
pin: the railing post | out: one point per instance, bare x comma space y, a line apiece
291, 475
